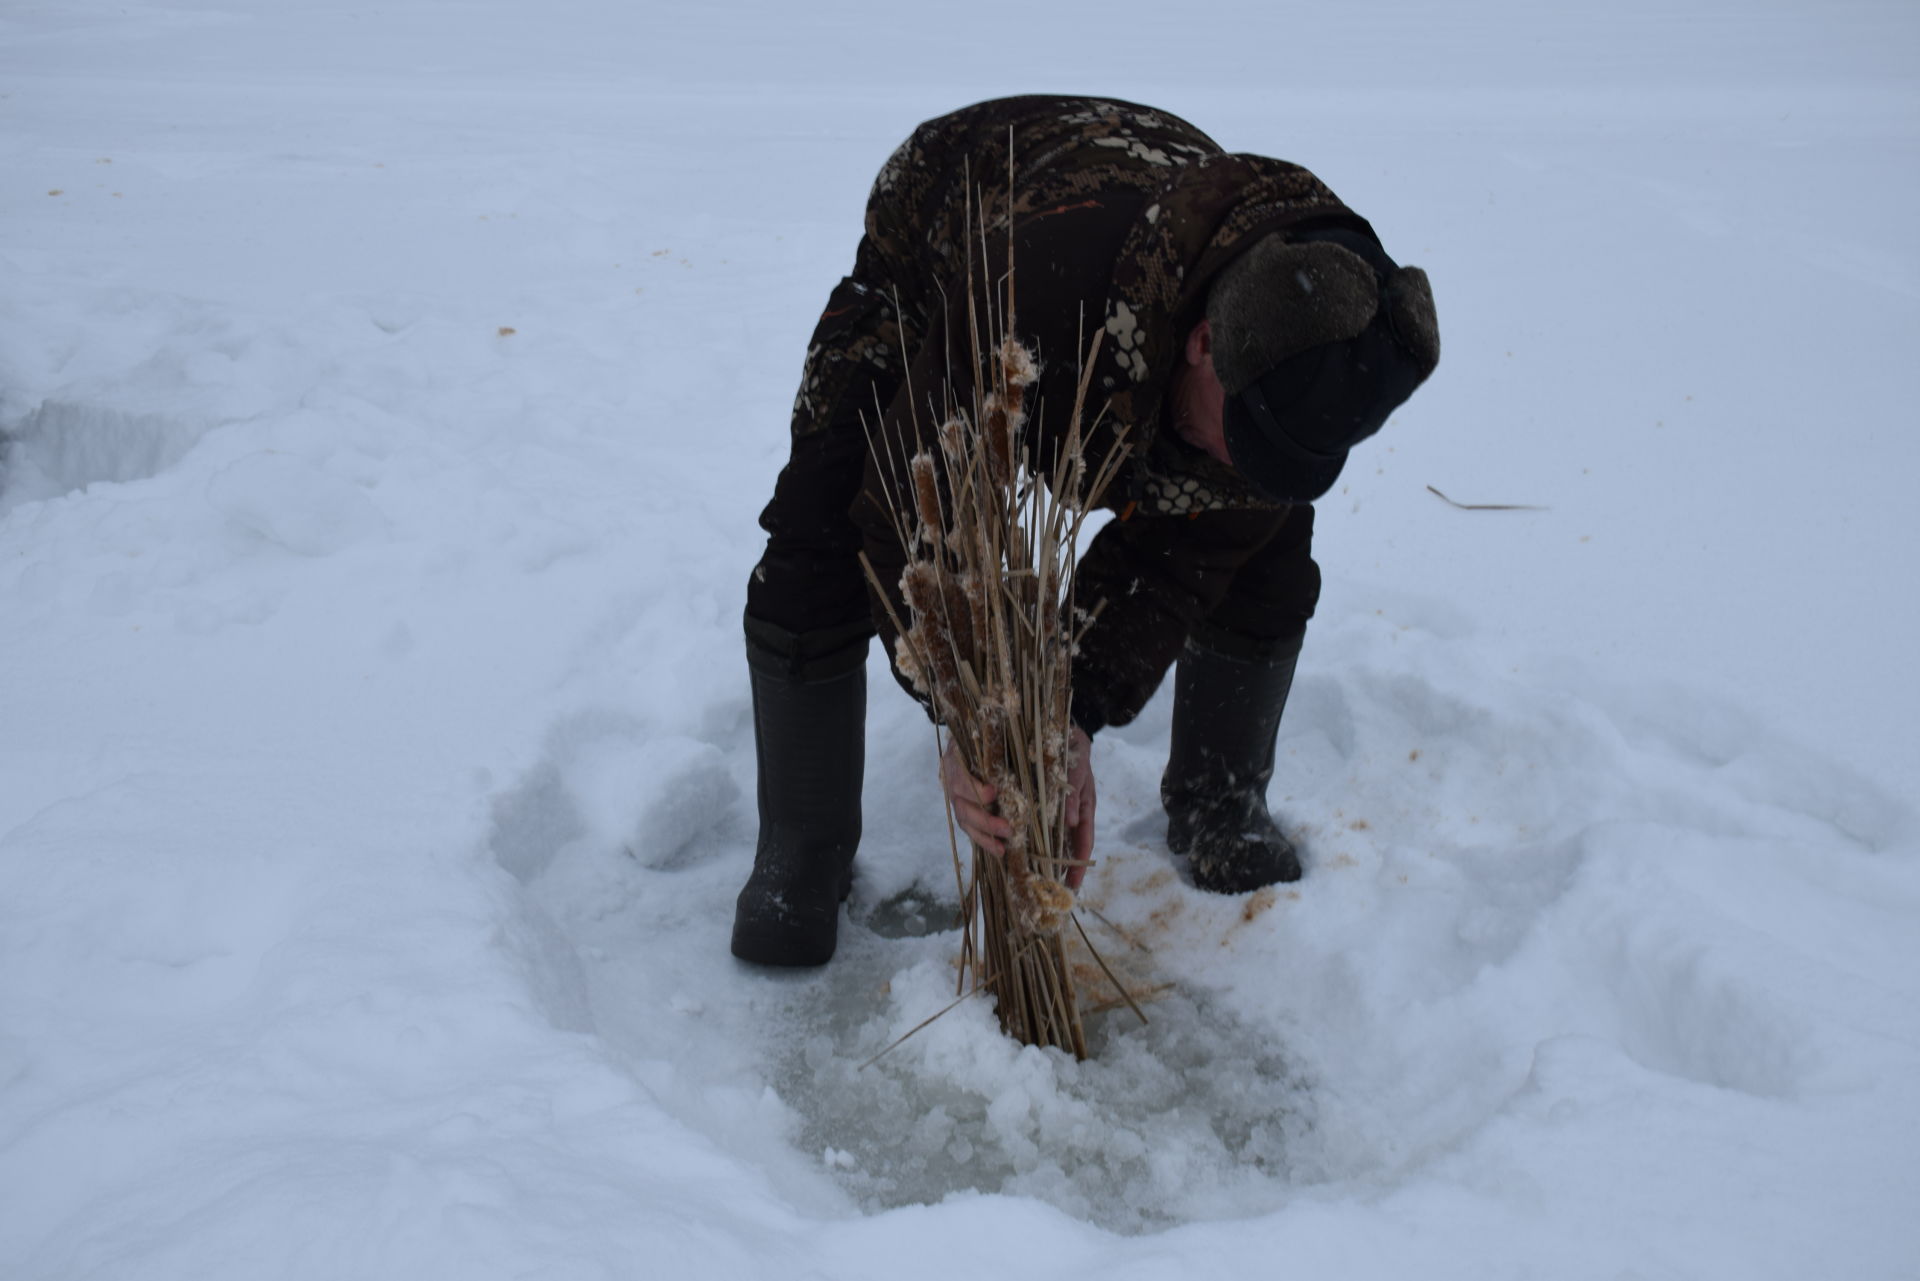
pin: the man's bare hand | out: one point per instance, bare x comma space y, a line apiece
972, 799
1080, 803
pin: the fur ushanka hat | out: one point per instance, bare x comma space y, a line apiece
1317, 337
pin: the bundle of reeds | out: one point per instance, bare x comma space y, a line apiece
990, 533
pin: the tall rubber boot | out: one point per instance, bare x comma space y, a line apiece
1226, 712
809, 733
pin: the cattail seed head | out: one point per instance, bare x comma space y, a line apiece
976, 586
926, 498
957, 621
1016, 809
1053, 758
1046, 904
920, 585
1017, 364
953, 437
999, 440
993, 735
940, 669
906, 661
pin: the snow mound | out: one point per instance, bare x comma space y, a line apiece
607, 782
289, 502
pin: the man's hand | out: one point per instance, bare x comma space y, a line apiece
1080, 803
971, 799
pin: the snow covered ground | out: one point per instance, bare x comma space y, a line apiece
387, 396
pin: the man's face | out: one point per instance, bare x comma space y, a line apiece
1200, 402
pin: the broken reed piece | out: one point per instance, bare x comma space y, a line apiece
1485, 507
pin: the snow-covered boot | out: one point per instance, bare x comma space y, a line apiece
809, 733
1226, 712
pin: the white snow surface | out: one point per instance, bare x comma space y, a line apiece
388, 393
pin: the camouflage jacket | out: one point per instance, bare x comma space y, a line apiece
1118, 216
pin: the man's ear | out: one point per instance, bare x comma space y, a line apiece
1200, 342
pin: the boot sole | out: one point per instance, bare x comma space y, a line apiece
756, 948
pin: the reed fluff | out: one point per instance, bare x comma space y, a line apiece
990, 533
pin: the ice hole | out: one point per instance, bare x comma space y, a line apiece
62, 446
1192, 1116
912, 913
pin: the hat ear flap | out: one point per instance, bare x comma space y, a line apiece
1409, 308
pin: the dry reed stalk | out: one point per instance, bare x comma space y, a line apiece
990, 533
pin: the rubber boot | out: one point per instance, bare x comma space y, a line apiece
1226, 712
809, 733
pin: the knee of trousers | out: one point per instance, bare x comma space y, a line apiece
1249, 647
810, 657
804, 589
1272, 597
1261, 624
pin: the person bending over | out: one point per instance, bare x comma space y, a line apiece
1256, 330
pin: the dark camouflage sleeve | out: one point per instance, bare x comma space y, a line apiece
1155, 578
